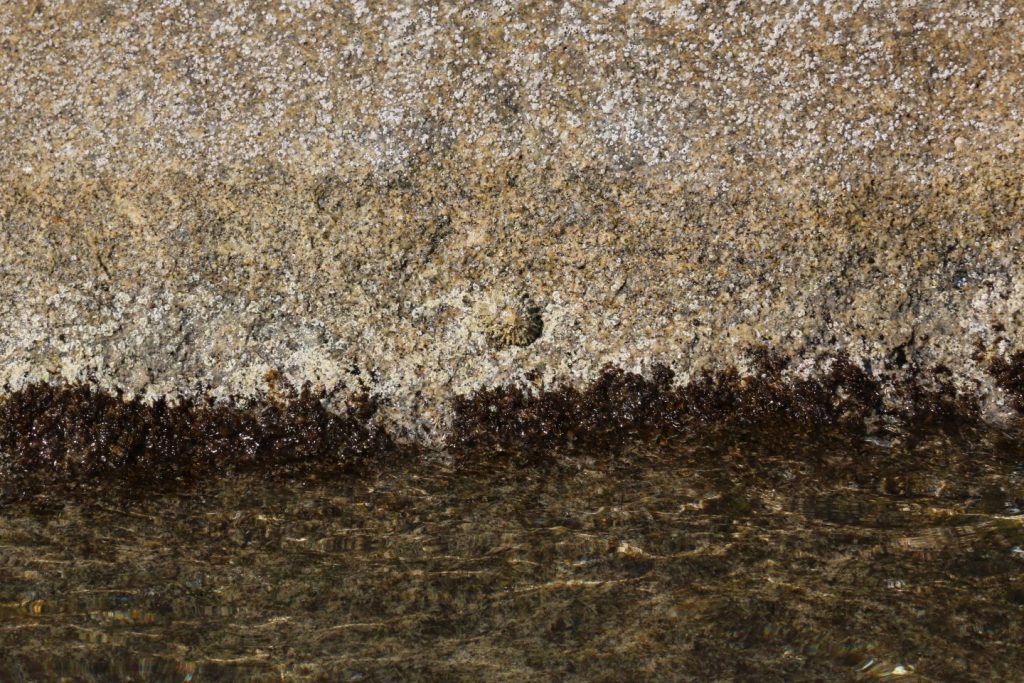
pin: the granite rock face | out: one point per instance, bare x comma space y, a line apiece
420, 202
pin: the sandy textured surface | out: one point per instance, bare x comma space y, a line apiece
421, 201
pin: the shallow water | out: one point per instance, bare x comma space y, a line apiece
758, 556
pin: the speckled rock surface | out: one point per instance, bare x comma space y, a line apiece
385, 198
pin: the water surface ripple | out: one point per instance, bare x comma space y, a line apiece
725, 555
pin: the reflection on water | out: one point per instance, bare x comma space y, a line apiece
762, 557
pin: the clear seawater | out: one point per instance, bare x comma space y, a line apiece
717, 556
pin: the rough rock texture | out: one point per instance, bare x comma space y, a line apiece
378, 199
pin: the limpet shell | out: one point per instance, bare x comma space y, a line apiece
512, 321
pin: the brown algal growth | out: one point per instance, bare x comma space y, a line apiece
623, 406
1009, 376
55, 436
74, 434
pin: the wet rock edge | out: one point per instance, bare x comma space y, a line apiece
72, 437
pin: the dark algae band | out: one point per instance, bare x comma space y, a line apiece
59, 436
69, 436
1009, 376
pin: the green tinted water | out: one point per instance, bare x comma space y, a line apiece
761, 557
